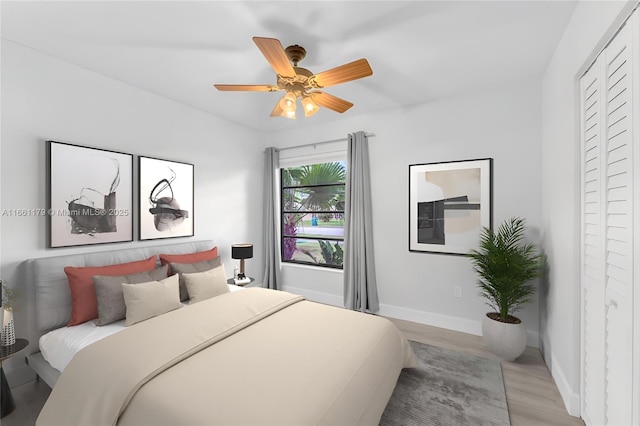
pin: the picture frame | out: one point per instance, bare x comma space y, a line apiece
449, 204
89, 195
166, 198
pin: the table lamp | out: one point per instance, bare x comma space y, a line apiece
242, 252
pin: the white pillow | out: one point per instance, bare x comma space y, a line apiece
147, 300
207, 284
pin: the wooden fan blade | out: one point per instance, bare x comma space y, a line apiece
277, 111
272, 49
332, 102
347, 72
246, 87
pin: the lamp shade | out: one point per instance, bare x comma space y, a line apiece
309, 106
241, 251
288, 102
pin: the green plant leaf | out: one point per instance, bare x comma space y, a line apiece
506, 266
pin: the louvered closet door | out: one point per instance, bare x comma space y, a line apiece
618, 228
593, 289
608, 104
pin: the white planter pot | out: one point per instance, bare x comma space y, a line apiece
508, 341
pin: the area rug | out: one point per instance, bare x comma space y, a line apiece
448, 388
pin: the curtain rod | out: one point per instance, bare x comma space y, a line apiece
369, 135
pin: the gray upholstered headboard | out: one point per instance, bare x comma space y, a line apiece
52, 294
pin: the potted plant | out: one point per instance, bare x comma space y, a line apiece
506, 265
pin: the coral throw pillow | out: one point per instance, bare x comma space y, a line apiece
199, 256
84, 305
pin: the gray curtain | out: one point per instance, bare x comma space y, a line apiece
360, 290
271, 242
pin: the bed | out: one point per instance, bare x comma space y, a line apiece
254, 356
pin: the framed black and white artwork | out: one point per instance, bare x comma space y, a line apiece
90, 195
166, 199
449, 203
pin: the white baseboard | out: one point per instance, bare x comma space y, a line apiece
570, 397
448, 322
436, 320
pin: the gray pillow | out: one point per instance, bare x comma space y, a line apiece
190, 268
111, 306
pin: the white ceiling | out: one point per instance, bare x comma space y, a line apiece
419, 50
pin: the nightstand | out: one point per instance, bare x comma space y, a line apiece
230, 281
7, 403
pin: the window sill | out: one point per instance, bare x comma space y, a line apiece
311, 268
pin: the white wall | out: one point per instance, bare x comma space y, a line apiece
502, 123
44, 98
592, 24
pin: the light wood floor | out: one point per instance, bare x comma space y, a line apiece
532, 395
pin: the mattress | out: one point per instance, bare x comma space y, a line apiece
59, 346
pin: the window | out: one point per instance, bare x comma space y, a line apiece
313, 214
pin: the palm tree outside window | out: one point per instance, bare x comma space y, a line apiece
313, 214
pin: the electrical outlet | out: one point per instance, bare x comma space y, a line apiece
457, 291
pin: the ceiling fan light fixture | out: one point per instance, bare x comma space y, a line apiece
288, 102
289, 114
309, 106
300, 82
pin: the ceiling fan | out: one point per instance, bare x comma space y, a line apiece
299, 82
